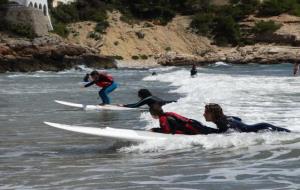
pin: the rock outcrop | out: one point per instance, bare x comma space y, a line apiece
49, 53
264, 54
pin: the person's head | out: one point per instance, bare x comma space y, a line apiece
213, 112
194, 66
144, 93
94, 75
156, 111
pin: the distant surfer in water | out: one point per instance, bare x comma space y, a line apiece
214, 113
193, 71
172, 123
296, 68
103, 80
147, 98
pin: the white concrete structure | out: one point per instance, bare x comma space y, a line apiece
41, 5
55, 3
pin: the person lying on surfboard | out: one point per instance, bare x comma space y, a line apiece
147, 98
214, 113
104, 81
172, 123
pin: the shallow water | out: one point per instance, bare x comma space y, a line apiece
35, 156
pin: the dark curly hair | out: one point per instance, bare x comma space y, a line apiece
144, 93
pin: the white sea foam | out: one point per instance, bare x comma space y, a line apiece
253, 98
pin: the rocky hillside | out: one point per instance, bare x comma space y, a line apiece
46, 53
143, 39
175, 44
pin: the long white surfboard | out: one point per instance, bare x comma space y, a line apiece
123, 134
95, 107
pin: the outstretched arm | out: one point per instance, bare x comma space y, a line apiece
138, 104
89, 84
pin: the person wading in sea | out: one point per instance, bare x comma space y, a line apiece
296, 68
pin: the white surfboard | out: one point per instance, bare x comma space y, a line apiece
123, 134
95, 107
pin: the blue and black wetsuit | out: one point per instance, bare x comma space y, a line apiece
106, 83
236, 124
150, 101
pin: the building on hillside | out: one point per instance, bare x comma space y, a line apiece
55, 3
30, 12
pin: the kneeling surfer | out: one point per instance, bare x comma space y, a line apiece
214, 113
103, 80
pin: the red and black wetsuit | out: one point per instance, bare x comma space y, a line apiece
103, 81
107, 84
176, 124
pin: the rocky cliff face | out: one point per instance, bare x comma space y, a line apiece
264, 54
175, 44
47, 53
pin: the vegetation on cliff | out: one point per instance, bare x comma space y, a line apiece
220, 23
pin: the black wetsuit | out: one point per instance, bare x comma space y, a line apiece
236, 124
150, 100
193, 72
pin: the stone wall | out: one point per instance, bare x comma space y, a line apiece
30, 16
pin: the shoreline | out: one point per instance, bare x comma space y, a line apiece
51, 53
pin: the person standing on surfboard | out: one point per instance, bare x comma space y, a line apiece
146, 98
214, 113
172, 123
104, 81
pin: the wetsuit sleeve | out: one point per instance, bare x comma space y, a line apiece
89, 84
138, 104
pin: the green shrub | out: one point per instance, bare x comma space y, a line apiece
144, 57
116, 43
168, 48
276, 7
263, 27
65, 13
95, 35
24, 30
3, 2
226, 31
296, 10
97, 16
246, 7
202, 23
135, 57
61, 29
101, 26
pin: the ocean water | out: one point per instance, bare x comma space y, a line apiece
35, 156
